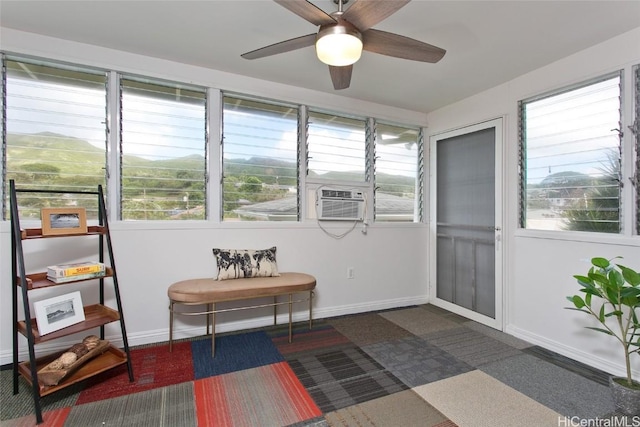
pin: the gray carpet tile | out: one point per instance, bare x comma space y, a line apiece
470, 346
369, 328
498, 335
563, 391
414, 361
419, 321
21, 404
586, 371
171, 406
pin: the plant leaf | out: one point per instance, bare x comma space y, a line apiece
599, 330
577, 301
631, 276
600, 262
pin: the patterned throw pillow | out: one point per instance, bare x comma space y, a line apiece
239, 263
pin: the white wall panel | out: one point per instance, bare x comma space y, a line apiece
540, 265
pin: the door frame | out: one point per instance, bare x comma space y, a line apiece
498, 124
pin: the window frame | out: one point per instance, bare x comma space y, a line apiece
213, 149
522, 153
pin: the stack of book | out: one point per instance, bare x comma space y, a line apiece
80, 271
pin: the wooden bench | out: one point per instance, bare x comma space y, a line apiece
209, 291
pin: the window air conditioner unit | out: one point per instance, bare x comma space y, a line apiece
340, 205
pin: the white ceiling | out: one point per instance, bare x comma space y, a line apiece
487, 42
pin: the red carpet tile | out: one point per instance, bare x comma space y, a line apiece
311, 340
267, 395
153, 367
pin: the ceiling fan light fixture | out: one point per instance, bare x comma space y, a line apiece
339, 44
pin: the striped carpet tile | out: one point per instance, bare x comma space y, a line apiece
167, 406
268, 395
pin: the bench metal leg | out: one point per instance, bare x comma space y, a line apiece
290, 317
170, 326
310, 309
213, 330
275, 311
208, 317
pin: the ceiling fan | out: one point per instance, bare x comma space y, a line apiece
344, 34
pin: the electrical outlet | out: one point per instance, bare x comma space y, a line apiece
350, 273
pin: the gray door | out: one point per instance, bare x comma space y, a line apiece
467, 230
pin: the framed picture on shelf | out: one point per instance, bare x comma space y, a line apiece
63, 221
58, 312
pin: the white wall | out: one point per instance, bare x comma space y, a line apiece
389, 261
540, 265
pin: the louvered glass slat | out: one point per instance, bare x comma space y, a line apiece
396, 168
55, 133
572, 159
163, 151
260, 164
336, 148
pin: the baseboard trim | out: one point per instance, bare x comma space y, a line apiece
162, 335
571, 352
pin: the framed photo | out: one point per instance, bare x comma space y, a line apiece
63, 221
58, 312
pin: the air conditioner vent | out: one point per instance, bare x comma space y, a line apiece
341, 205
340, 194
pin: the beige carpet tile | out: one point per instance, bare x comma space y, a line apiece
405, 408
368, 328
495, 334
419, 321
446, 314
475, 399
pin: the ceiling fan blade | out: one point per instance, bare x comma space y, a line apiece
400, 46
307, 11
285, 46
365, 14
341, 76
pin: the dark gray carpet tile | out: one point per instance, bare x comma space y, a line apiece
563, 391
167, 406
368, 328
334, 364
341, 376
470, 346
586, 371
497, 335
21, 404
331, 396
416, 362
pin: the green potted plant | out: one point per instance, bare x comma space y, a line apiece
611, 295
